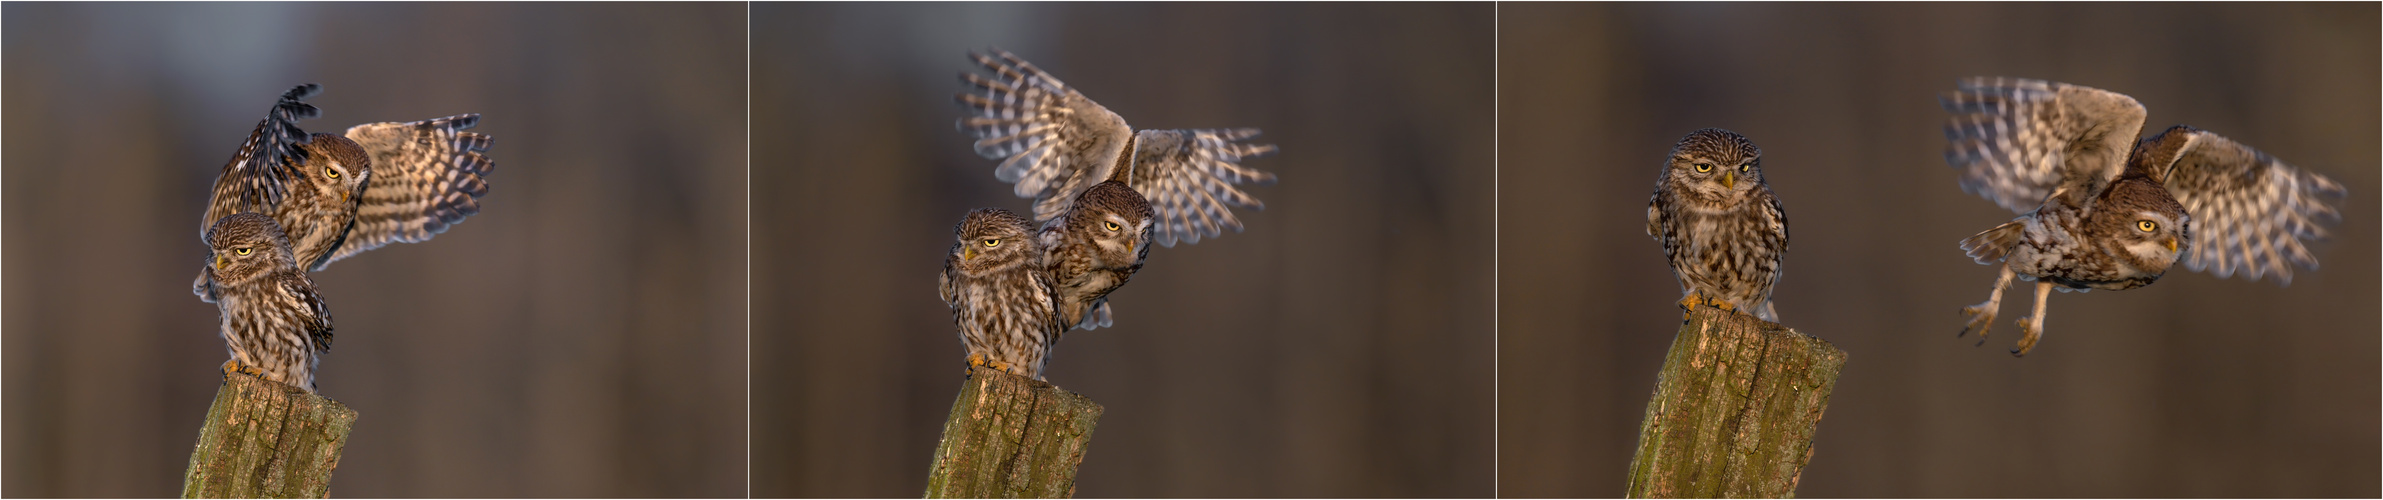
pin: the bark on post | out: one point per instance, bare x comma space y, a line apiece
1011, 437
266, 439
1734, 409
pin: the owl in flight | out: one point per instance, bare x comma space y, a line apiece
1001, 296
339, 195
2100, 209
1721, 227
274, 325
1057, 146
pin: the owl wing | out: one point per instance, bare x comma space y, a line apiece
2021, 141
260, 173
1053, 142
1189, 177
2251, 212
426, 175
317, 322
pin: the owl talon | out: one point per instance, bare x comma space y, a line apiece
2030, 330
1981, 318
234, 366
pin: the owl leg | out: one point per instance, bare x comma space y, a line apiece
1688, 303
1981, 316
975, 359
2031, 328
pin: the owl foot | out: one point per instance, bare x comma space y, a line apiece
1981, 317
1688, 304
998, 365
234, 366
2031, 329
975, 359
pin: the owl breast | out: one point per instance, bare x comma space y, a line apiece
2052, 247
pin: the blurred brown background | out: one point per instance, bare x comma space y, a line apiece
1340, 346
2192, 387
582, 336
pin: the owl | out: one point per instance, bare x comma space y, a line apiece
2099, 209
274, 325
339, 195
1000, 295
1055, 145
1094, 247
1721, 227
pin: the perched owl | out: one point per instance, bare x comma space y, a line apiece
1723, 230
1055, 145
337, 196
1093, 248
2101, 210
274, 325
1000, 295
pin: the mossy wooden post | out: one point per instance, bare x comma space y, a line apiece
266, 439
1011, 437
1734, 410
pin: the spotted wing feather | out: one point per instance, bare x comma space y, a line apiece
2018, 142
260, 174
1053, 142
426, 176
2252, 213
1190, 179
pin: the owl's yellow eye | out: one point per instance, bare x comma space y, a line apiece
330, 172
240, 251
1746, 167
1704, 167
2147, 226
1112, 226
992, 242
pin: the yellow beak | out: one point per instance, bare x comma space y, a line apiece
1729, 180
220, 262
968, 253
2171, 245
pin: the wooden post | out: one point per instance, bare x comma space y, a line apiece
266, 439
1734, 409
1011, 437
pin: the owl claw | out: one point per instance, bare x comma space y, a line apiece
2031, 329
234, 366
1981, 318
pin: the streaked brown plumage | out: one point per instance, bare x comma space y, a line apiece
274, 325
1000, 295
1723, 231
1056, 145
339, 195
1093, 248
2100, 209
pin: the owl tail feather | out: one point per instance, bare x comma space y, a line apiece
1991, 246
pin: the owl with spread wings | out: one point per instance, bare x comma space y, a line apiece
1102, 192
339, 195
2100, 209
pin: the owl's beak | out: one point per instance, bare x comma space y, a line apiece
1729, 180
220, 262
2171, 245
968, 253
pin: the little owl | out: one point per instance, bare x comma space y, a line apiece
1056, 146
1000, 295
337, 196
1723, 230
274, 325
2101, 210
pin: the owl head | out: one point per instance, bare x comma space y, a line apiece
1714, 166
246, 246
991, 240
1117, 219
2147, 228
337, 167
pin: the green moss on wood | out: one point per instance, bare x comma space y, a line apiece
1011, 437
266, 439
1734, 410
